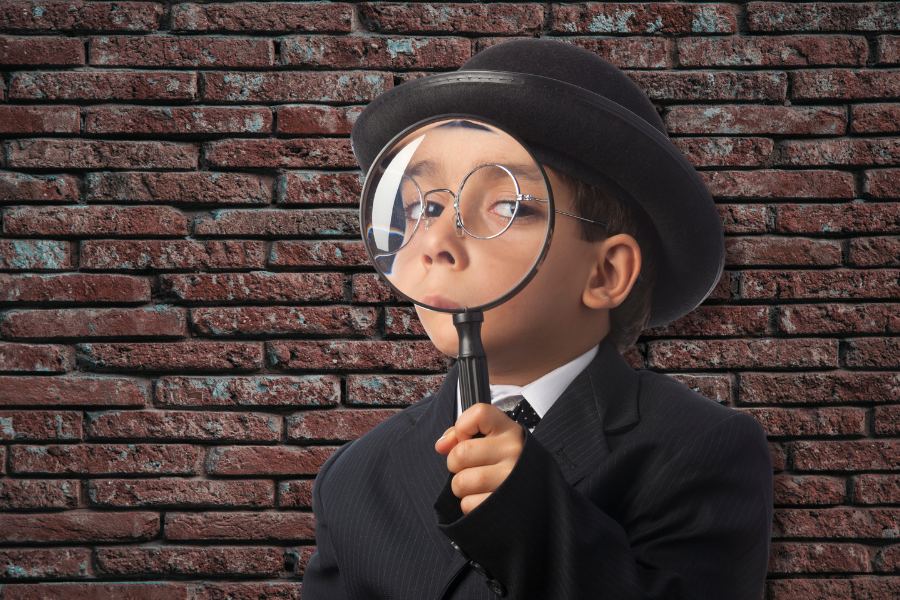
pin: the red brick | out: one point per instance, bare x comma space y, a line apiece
837, 219
876, 353
496, 19
281, 320
96, 591
725, 151
171, 255
765, 183
845, 84
759, 120
875, 489
39, 425
179, 493
46, 189
280, 222
368, 287
837, 387
858, 523
785, 422
188, 188
94, 220
79, 527
402, 321
177, 120
882, 183
776, 51
318, 254
268, 17
239, 526
251, 590
855, 152
876, 588
821, 589
75, 15
184, 425
888, 559
716, 321
825, 285
38, 493
375, 52
182, 356
29, 358
259, 286
714, 387
315, 187
73, 287
357, 355
728, 86
857, 455
875, 118
53, 563
169, 51
18, 120
55, 51
654, 18
726, 288
625, 53
154, 321
743, 354
22, 255
100, 154
280, 390
289, 86
744, 218
287, 153
89, 390
106, 459
779, 251
267, 460
838, 318
333, 425
411, 75
301, 557
390, 390
310, 119
193, 561
103, 85
887, 420
634, 356
813, 557
295, 494
809, 489
822, 16
888, 52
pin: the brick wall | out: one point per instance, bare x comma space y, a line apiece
189, 326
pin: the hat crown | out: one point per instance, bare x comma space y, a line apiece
568, 63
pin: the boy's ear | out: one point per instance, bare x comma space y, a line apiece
617, 265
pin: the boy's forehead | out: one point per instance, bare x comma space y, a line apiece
447, 146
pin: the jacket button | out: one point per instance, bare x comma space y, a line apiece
496, 587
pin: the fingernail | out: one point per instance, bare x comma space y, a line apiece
444, 434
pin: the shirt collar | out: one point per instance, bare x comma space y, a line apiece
542, 392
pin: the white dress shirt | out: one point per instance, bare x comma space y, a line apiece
540, 393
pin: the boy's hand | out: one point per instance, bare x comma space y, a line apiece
480, 464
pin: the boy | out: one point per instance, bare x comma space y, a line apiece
609, 483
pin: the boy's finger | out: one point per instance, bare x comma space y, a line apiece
479, 452
478, 480
482, 418
447, 442
470, 502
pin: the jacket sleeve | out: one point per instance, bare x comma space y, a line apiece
322, 577
699, 527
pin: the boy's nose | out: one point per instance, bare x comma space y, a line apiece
441, 243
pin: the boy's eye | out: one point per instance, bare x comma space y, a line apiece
433, 210
505, 208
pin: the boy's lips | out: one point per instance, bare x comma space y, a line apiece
438, 301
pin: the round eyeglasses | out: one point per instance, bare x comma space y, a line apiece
488, 202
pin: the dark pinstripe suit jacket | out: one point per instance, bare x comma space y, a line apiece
631, 486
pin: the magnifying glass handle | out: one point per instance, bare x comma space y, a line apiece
473, 372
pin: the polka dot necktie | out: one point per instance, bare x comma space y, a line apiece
524, 414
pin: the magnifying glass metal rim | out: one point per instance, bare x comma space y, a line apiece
547, 238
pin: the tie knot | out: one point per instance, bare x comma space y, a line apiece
523, 413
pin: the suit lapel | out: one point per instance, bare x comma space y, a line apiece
601, 399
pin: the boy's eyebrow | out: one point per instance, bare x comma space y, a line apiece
423, 167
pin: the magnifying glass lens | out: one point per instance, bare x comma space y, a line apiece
457, 215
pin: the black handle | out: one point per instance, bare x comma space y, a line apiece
473, 372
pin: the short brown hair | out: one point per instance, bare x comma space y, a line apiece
627, 320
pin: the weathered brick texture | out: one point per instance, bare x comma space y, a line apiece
190, 325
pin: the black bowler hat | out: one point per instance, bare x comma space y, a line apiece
583, 116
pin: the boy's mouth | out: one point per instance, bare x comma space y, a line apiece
438, 301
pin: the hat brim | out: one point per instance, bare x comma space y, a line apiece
612, 142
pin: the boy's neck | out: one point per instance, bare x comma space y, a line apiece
523, 372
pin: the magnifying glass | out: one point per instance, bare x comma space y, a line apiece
457, 217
